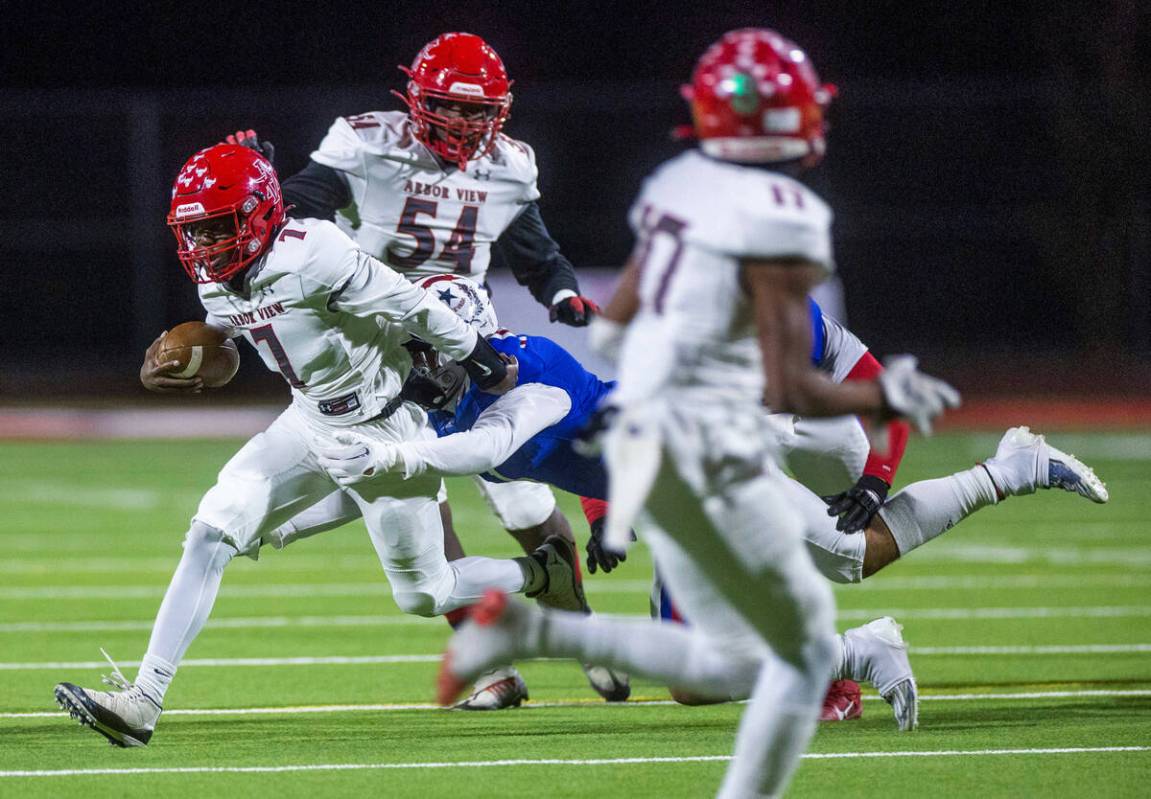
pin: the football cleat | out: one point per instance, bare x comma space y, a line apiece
496, 690
882, 652
612, 685
843, 702
562, 589
1025, 461
126, 716
495, 632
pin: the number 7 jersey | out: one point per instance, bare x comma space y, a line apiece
695, 220
416, 215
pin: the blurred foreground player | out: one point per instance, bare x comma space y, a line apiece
434, 191
331, 319
531, 432
713, 308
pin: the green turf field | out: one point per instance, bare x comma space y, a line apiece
1030, 626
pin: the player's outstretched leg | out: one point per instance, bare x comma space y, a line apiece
1023, 463
127, 715
502, 629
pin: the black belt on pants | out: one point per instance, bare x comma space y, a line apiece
350, 402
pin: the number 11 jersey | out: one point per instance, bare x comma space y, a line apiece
696, 220
415, 214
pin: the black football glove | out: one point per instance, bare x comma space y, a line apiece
856, 506
249, 139
598, 556
575, 311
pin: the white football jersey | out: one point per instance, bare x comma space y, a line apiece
331, 319
412, 213
695, 219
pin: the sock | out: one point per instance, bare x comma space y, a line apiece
185, 608
475, 575
842, 668
154, 677
668, 652
929, 508
535, 576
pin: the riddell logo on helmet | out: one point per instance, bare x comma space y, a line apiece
470, 89
781, 120
189, 209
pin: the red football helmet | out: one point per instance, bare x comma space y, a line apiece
457, 68
755, 98
226, 207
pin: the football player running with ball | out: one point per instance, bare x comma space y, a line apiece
714, 317
432, 191
332, 320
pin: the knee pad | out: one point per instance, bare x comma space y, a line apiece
520, 505
202, 539
417, 603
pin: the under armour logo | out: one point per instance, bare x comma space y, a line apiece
482, 174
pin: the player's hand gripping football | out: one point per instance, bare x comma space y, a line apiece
250, 139
575, 311
354, 458
856, 506
157, 375
909, 393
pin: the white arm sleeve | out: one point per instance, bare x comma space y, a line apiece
374, 289
842, 350
499, 431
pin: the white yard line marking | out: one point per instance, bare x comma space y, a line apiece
335, 660
1055, 649
1134, 557
1000, 582
612, 761
267, 591
277, 622
634, 703
361, 660
239, 623
946, 614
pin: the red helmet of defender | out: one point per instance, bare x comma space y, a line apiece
226, 207
458, 69
755, 98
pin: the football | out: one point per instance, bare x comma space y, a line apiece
202, 351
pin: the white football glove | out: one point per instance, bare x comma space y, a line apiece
354, 458
910, 393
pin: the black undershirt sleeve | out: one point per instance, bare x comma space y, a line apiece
316, 191
534, 256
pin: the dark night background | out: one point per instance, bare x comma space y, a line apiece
988, 162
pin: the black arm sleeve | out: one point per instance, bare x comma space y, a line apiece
485, 366
316, 191
535, 258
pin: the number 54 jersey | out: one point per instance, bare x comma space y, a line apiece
413, 213
695, 220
